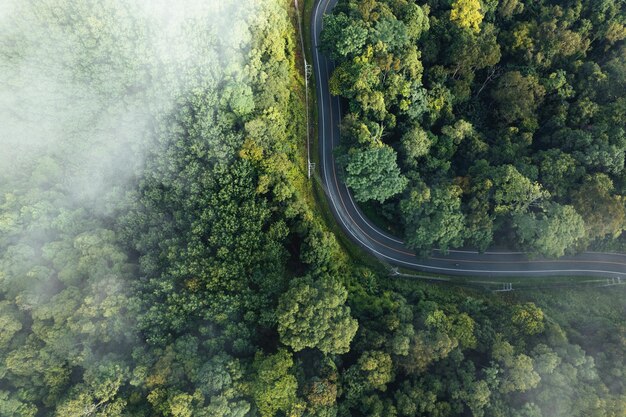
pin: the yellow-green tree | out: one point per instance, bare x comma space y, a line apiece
313, 314
528, 318
467, 14
274, 388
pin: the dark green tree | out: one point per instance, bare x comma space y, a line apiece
373, 173
433, 218
551, 232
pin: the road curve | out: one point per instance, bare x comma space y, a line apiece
391, 249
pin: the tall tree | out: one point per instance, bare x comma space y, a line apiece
603, 211
551, 232
274, 387
467, 14
373, 173
313, 314
432, 217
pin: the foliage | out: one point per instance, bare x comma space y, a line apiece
467, 14
551, 232
274, 388
311, 314
517, 104
433, 217
143, 246
373, 174
529, 318
199, 281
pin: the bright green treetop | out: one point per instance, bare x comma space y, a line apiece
313, 314
467, 14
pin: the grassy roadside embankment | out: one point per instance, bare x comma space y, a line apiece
318, 200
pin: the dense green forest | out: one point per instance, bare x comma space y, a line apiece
160, 254
505, 118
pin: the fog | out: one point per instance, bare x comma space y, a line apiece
86, 86
84, 82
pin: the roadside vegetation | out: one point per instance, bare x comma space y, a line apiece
495, 122
160, 255
593, 319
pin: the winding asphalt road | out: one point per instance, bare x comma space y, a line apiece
391, 249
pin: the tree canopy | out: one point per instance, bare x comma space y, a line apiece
516, 104
161, 254
373, 174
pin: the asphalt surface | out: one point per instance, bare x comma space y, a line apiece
391, 249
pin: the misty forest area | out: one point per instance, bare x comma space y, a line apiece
163, 253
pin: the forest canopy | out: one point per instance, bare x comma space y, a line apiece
161, 254
507, 119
